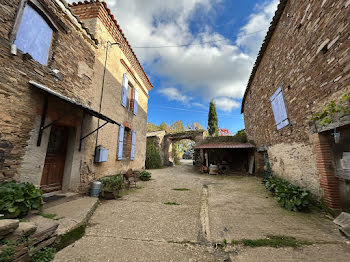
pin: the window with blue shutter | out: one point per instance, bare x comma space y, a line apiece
34, 35
125, 91
136, 99
133, 145
279, 109
120, 142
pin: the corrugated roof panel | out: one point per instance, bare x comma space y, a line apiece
225, 145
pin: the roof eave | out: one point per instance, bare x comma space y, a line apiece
268, 37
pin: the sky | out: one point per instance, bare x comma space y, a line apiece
194, 51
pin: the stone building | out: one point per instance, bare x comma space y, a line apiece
302, 66
73, 95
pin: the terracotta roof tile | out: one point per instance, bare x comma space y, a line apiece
118, 26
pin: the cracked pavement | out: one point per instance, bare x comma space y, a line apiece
140, 227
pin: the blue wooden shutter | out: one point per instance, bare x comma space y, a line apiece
125, 90
34, 35
133, 145
120, 142
136, 99
279, 109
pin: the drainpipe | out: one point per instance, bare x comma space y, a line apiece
109, 44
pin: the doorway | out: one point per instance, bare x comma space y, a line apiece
52, 176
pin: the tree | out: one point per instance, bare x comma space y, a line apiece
213, 126
177, 126
163, 126
152, 127
241, 135
224, 132
194, 126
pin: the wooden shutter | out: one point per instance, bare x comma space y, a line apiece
136, 99
133, 145
120, 142
125, 90
279, 109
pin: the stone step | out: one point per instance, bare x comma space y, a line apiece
7, 226
23, 230
63, 197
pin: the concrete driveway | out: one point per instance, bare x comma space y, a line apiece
141, 227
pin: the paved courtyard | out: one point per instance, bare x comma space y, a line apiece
141, 227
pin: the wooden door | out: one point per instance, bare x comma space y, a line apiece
52, 176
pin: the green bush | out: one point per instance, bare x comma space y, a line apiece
153, 159
17, 199
112, 184
145, 176
46, 254
291, 197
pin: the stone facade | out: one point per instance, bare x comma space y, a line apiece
79, 56
306, 52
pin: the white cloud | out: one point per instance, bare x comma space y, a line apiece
210, 70
259, 19
173, 94
226, 104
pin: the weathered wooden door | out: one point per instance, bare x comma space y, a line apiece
52, 176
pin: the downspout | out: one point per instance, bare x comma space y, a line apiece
109, 44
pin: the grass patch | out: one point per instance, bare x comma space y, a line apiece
171, 203
70, 237
46, 254
272, 241
181, 189
50, 216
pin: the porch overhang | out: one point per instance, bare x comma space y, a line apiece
75, 103
86, 110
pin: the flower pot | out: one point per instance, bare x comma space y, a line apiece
109, 195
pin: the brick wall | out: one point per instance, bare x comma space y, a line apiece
324, 162
308, 55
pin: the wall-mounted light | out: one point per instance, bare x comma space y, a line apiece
336, 136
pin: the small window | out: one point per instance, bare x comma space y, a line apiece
34, 35
130, 98
127, 143
279, 109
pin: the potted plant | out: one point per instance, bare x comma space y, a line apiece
111, 186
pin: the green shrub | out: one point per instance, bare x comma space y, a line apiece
153, 159
112, 184
46, 254
291, 197
145, 176
17, 199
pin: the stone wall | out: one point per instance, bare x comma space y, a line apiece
118, 62
80, 59
19, 240
22, 103
308, 55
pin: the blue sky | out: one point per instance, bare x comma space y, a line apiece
223, 38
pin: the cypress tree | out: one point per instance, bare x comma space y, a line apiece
213, 126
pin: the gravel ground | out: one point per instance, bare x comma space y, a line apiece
140, 227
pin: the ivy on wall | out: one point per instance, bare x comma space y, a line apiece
334, 110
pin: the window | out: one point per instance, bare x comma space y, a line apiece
126, 143
279, 109
130, 96
34, 35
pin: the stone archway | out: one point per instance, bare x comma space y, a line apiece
165, 141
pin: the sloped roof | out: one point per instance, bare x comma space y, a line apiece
264, 46
120, 30
227, 145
